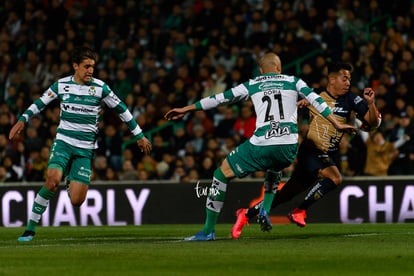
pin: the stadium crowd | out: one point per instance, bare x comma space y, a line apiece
159, 54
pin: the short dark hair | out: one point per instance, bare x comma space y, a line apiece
82, 52
335, 67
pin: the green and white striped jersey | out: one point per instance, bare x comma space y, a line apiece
274, 97
80, 106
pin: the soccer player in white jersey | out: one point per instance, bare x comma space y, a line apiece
81, 97
274, 143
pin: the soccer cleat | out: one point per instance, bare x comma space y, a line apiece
264, 221
200, 236
26, 237
241, 221
298, 216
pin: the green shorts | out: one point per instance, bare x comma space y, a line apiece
248, 158
75, 163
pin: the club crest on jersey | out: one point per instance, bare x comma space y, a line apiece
92, 90
276, 130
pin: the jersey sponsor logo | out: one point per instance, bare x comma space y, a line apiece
357, 100
277, 130
84, 100
262, 78
67, 107
339, 109
66, 88
65, 97
84, 172
270, 86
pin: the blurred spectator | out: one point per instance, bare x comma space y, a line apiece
147, 164
224, 121
189, 163
179, 174
179, 139
38, 164
33, 141
122, 85
192, 176
100, 166
207, 168
162, 170
5, 147
13, 172
111, 174
158, 57
159, 147
197, 140
246, 123
332, 36
403, 163
109, 145
200, 118
128, 171
143, 175
352, 155
380, 153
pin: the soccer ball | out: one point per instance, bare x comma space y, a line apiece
364, 126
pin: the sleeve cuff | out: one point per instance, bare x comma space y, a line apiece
326, 112
198, 105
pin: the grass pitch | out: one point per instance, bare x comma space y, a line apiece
318, 249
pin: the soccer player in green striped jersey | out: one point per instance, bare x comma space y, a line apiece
81, 97
274, 143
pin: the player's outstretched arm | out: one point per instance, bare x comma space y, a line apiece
341, 126
16, 129
373, 116
178, 113
144, 145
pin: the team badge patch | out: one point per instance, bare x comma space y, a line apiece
92, 90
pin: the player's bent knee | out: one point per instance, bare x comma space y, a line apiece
77, 200
78, 192
52, 184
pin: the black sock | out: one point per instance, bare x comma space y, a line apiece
320, 189
254, 211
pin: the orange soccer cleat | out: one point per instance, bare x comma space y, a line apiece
241, 221
298, 216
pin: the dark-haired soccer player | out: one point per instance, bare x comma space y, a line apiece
315, 169
81, 97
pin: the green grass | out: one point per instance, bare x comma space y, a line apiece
318, 249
